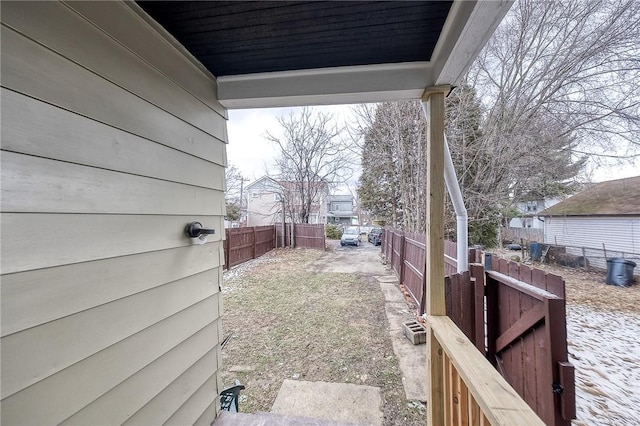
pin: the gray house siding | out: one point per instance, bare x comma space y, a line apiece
617, 233
112, 141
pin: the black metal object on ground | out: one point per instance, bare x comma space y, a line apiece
229, 397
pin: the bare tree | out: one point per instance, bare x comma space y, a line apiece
498, 171
232, 195
313, 157
558, 83
570, 68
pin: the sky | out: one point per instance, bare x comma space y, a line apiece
248, 148
254, 155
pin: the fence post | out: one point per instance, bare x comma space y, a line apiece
488, 262
492, 318
393, 252
556, 335
402, 266
477, 272
227, 249
324, 237
254, 243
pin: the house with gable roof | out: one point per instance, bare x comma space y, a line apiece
606, 214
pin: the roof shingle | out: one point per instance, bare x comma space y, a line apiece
614, 197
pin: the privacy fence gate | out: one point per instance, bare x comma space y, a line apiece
513, 314
527, 338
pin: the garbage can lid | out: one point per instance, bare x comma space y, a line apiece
621, 260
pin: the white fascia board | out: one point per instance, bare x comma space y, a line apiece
466, 31
326, 86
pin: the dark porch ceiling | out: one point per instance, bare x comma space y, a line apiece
275, 53
234, 38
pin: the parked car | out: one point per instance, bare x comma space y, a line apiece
375, 236
350, 236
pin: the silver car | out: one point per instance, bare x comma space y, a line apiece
350, 236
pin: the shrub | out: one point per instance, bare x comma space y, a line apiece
333, 232
483, 232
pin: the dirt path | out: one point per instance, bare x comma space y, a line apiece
364, 260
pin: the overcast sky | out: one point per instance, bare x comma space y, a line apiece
252, 153
254, 156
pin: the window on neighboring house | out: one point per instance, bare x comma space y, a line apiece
336, 207
254, 194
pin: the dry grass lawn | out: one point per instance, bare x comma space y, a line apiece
287, 323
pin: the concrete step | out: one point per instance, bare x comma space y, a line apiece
226, 418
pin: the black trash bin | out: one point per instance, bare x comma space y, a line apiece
620, 271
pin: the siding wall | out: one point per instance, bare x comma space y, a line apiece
618, 234
112, 141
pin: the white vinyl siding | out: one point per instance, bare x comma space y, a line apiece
112, 141
618, 234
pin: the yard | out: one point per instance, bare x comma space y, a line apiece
288, 322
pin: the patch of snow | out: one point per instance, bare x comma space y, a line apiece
238, 271
605, 350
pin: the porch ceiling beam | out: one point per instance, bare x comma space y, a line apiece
327, 86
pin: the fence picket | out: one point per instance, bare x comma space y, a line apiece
243, 244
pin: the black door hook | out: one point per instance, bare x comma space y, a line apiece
195, 230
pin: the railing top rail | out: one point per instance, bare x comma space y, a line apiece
521, 286
498, 401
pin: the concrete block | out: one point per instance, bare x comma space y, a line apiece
415, 332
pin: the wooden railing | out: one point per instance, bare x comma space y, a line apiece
473, 393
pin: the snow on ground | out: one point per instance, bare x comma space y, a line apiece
243, 268
604, 347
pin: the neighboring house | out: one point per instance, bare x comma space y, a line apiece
606, 214
340, 210
265, 199
264, 202
529, 213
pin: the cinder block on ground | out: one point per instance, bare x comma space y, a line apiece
415, 332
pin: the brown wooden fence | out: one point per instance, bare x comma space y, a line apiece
464, 297
513, 314
405, 251
304, 235
527, 338
243, 244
